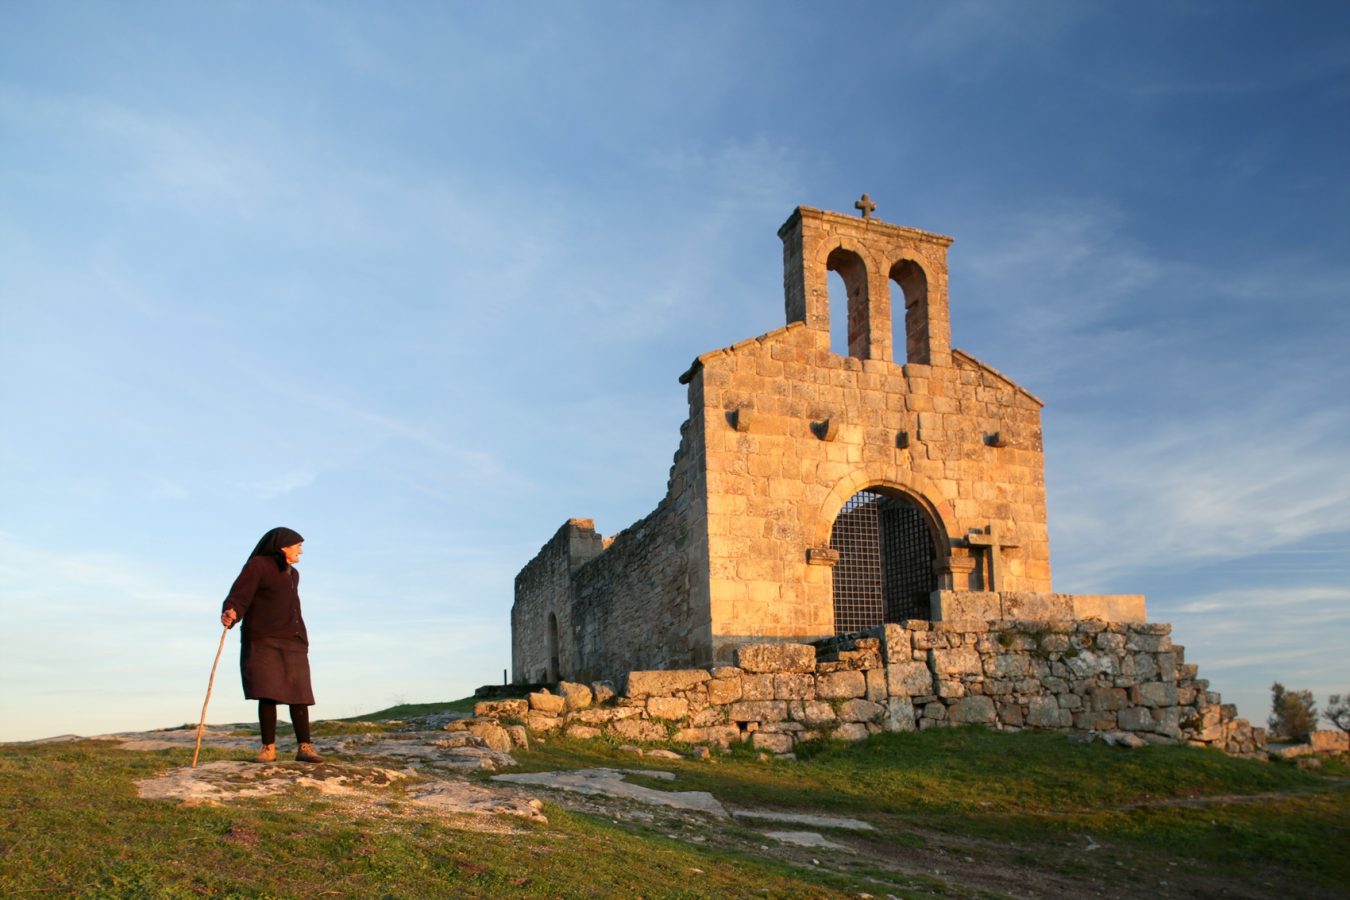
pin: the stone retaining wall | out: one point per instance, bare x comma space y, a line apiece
1081, 675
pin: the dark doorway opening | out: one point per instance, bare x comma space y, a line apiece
885, 571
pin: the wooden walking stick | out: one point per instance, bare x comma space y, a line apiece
209, 684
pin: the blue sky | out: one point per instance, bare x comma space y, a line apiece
417, 280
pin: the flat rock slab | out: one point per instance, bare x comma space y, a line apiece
818, 821
804, 839
610, 783
457, 797
436, 749
217, 783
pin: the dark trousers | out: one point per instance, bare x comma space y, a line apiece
267, 718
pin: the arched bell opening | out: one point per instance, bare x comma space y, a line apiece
887, 566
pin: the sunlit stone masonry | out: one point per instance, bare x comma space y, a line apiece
815, 495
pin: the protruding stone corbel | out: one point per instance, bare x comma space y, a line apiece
826, 429
822, 556
997, 439
739, 419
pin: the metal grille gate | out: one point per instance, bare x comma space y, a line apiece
885, 568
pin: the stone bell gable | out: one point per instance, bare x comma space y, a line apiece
815, 494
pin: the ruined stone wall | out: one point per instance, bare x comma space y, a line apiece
1070, 675
793, 431
542, 588
636, 600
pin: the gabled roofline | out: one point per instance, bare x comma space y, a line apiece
961, 354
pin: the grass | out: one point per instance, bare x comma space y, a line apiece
71, 824
1038, 789
1031, 804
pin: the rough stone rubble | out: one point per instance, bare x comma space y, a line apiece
1074, 675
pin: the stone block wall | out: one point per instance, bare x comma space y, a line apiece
637, 599
1055, 674
792, 431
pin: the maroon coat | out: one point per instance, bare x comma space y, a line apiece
274, 645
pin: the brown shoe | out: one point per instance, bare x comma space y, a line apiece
267, 754
307, 753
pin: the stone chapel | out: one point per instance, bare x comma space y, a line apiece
814, 494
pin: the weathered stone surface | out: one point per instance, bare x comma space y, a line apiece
860, 711
777, 658
638, 730
970, 710
1008, 665
604, 716
547, 703
1152, 643
908, 679
956, 662
896, 644
850, 731
756, 687
501, 709
578, 696
1109, 698
950, 690
725, 690
772, 743
794, 686
1156, 693
709, 715
759, 711
602, 691
841, 685
520, 736
582, 732
1045, 712
667, 707
492, 734
538, 721
1135, 718
1010, 714
899, 715
974, 607
876, 685
721, 735
664, 683
1088, 663
812, 712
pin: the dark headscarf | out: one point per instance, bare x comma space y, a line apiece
273, 541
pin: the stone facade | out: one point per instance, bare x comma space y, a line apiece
1079, 675
781, 434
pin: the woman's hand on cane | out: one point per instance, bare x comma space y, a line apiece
228, 617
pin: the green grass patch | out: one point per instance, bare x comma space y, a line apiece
71, 824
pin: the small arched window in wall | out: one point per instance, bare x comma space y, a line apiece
553, 673
913, 284
853, 312
885, 571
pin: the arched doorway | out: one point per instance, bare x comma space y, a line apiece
885, 571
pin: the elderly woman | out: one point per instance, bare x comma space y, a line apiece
274, 647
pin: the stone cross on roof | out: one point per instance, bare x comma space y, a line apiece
991, 538
866, 205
